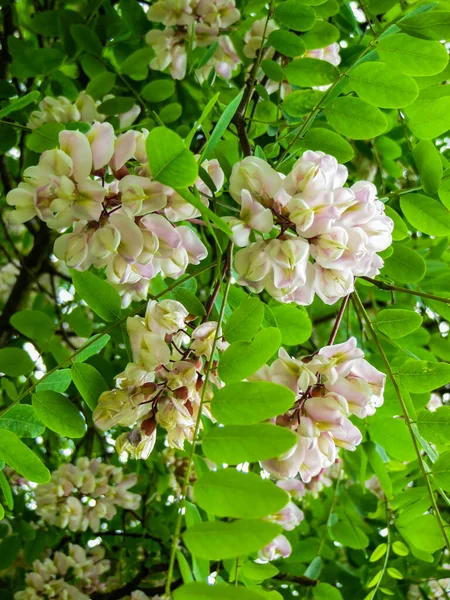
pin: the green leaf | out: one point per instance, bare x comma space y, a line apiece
235, 444
58, 381
422, 531
393, 436
355, 118
86, 39
413, 56
287, 43
322, 34
231, 493
15, 362
220, 128
325, 591
88, 382
245, 321
293, 322
9, 549
208, 55
380, 85
34, 324
79, 322
98, 294
170, 161
101, 85
441, 471
422, 376
93, 348
433, 25
295, 15
116, 106
404, 265
46, 137
300, 102
258, 572
22, 420
217, 540
6, 491
434, 426
306, 72
249, 402
425, 214
20, 103
220, 591
242, 359
400, 231
190, 301
184, 567
379, 468
273, 70
400, 548
396, 323
435, 120
137, 63
158, 90
330, 142
429, 164
378, 553
205, 211
59, 414
394, 573
23, 460
349, 534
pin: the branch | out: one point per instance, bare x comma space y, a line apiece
395, 288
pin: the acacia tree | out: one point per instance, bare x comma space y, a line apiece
224, 292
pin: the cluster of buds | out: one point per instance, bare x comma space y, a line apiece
327, 233
289, 518
261, 29
62, 110
122, 220
164, 383
330, 386
52, 577
203, 22
81, 495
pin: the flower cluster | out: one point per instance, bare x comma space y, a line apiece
203, 21
164, 383
62, 110
122, 220
81, 495
51, 577
328, 234
330, 386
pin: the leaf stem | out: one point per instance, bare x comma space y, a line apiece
394, 288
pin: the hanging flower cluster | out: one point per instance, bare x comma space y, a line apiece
164, 383
51, 577
100, 185
330, 386
62, 110
81, 495
328, 234
202, 21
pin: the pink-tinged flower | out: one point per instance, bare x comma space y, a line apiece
203, 339
327, 410
171, 12
256, 176
169, 51
73, 248
302, 295
166, 316
329, 54
278, 548
148, 349
140, 153
104, 242
131, 238
289, 259
340, 359
313, 173
312, 215
362, 386
118, 270
329, 246
87, 108
127, 119
288, 517
141, 195
54, 162
253, 217
346, 435
114, 408
294, 487
253, 264
136, 444
192, 244
331, 285
254, 37
124, 149
178, 209
101, 138
220, 13
293, 373
23, 198
214, 170
76, 145
88, 201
